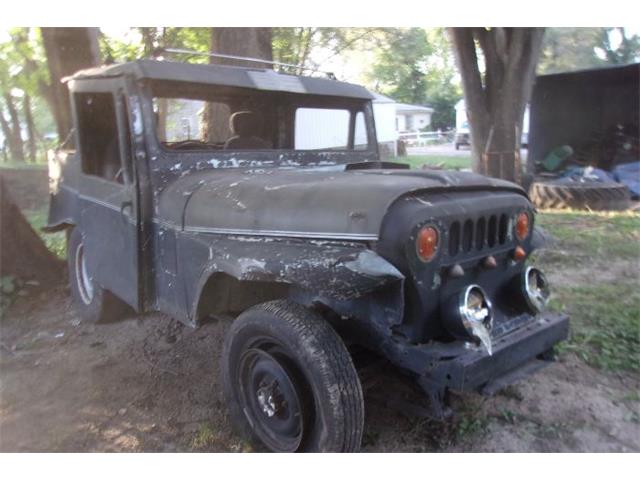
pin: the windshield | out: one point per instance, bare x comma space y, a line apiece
192, 117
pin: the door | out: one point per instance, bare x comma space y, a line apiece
108, 215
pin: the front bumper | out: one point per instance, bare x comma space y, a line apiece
452, 366
474, 370
440, 367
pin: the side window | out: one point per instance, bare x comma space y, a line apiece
360, 138
98, 133
321, 129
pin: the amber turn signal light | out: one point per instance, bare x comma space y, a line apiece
523, 225
519, 254
427, 243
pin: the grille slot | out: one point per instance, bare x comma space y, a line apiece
493, 231
502, 232
481, 233
454, 239
478, 234
467, 236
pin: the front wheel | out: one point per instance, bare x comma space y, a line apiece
290, 382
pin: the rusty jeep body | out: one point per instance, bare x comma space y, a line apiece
197, 190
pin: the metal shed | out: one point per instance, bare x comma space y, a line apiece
570, 108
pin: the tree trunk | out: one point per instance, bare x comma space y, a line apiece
31, 128
13, 139
244, 42
67, 50
496, 101
23, 255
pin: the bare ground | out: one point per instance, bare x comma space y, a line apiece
151, 384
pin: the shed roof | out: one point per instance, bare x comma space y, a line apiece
255, 78
407, 108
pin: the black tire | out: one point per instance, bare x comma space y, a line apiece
580, 196
314, 378
93, 303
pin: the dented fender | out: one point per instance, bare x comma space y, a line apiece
332, 270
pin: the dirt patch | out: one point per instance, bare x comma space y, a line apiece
151, 384
29, 187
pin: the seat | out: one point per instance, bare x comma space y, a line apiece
246, 127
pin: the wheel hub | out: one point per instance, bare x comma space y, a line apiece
270, 399
275, 406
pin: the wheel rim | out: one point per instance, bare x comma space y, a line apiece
272, 398
85, 285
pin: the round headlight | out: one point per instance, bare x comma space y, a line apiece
427, 243
523, 225
475, 309
469, 316
536, 289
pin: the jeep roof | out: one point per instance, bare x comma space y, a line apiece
253, 78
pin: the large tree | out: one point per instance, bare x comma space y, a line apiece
236, 41
67, 50
496, 95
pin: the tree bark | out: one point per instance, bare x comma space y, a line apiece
240, 41
496, 101
31, 128
11, 130
67, 50
22, 252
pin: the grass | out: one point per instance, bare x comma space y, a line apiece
605, 323
604, 308
598, 235
22, 165
56, 242
444, 161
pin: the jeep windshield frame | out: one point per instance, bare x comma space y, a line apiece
283, 107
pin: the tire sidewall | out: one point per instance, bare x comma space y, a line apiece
91, 312
325, 433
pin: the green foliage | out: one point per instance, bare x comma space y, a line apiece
23, 72
566, 49
442, 161
400, 70
416, 66
145, 41
55, 242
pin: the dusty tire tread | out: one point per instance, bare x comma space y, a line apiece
337, 366
608, 196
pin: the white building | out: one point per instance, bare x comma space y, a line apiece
410, 118
462, 123
384, 114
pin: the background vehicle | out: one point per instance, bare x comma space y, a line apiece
200, 189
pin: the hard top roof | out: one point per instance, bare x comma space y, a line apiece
255, 78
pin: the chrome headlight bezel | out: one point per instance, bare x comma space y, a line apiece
537, 293
470, 316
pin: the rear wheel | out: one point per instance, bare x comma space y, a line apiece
91, 301
290, 382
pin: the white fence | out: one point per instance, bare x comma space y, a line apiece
422, 139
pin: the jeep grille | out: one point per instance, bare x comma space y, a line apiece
478, 234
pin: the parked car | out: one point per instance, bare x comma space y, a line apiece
463, 136
197, 190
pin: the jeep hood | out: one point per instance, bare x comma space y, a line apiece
313, 203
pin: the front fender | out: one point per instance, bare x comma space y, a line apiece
340, 271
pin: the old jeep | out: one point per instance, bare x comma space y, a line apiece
198, 189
